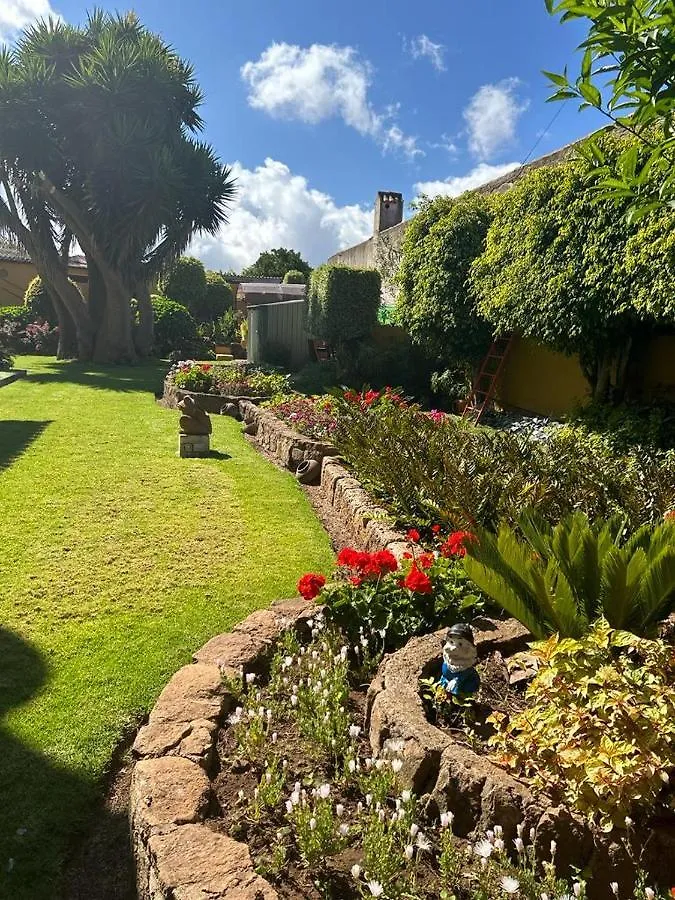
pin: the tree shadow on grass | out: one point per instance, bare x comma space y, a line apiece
41, 803
15, 437
146, 377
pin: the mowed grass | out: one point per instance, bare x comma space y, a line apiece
117, 561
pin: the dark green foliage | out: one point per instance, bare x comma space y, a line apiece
226, 330
14, 314
450, 472
562, 579
275, 263
317, 377
175, 329
185, 283
218, 298
38, 303
294, 276
343, 303
275, 353
628, 426
435, 302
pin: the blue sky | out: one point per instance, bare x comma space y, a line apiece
318, 105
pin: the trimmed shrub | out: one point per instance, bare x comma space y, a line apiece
295, 276
38, 303
185, 283
14, 314
175, 329
343, 303
218, 298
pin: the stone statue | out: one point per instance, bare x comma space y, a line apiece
195, 428
458, 675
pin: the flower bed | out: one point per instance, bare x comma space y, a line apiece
213, 385
323, 790
312, 416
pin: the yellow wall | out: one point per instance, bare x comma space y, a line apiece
540, 380
16, 276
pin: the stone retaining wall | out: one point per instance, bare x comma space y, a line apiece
210, 403
289, 447
178, 857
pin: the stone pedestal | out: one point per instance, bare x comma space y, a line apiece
193, 445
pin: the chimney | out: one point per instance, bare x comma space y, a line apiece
388, 210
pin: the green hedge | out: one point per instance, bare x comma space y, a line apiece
343, 303
175, 330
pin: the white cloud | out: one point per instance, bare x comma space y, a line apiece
276, 208
321, 82
423, 47
446, 143
492, 116
16, 14
453, 187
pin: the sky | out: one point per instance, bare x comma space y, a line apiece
318, 105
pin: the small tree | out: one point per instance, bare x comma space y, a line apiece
275, 263
38, 302
218, 298
343, 303
435, 303
294, 276
185, 282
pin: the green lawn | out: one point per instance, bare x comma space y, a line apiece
117, 561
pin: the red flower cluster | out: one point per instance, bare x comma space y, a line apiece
455, 543
206, 367
366, 398
367, 565
310, 585
418, 581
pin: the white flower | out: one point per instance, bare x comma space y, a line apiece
614, 888
423, 842
483, 849
490, 835
310, 623
275, 737
379, 764
240, 794
294, 700
381, 815
554, 847
397, 765
369, 799
312, 824
344, 830
533, 834
519, 845
628, 821
664, 777
340, 810
406, 796
359, 807
498, 831
543, 897
250, 677
409, 850
446, 819
351, 765
375, 888
268, 777
288, 661
649, 894
520, 828
295, 798
356, 871
499, 844
324, 791
414, 830
510, 885
289, 806
576, 888
354, 731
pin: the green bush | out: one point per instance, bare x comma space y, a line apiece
175, 329
295, 276
429, 467
598, 731
218, 298
343, 303
562, 579
15, 314
626, 426
185, 283
38, 302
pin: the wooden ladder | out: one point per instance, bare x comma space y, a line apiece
485, 385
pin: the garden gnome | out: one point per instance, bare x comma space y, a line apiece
458, 675
195, 428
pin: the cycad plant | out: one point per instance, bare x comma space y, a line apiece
561, 579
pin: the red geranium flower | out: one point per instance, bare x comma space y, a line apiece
455, 544
435, 528
426, 560
418, 581
310, 585
207, 367
386, 561
347, 557
413, 535
370, 397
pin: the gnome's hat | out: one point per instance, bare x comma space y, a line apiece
463, 631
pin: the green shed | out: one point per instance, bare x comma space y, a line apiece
277, 333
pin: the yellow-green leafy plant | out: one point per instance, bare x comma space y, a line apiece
561, 579
599, 728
